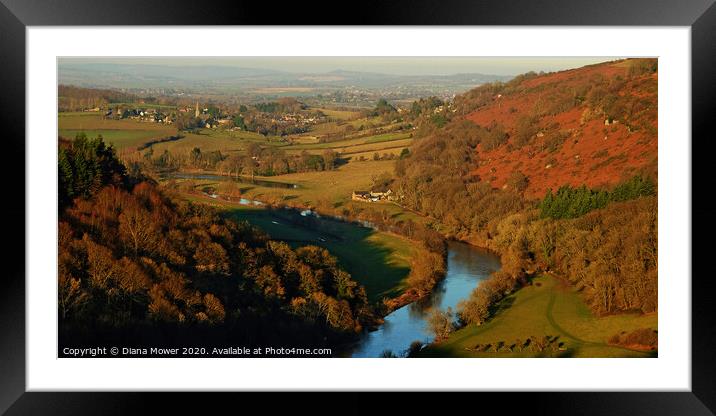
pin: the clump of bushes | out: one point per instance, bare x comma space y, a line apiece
441, 323
548, 343
492, 137
643, 66
518, 181
643, 337
525, 128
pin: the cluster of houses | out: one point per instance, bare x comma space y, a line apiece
373, 196
150, 115
298, 118
209, 123
206, 120
204, 117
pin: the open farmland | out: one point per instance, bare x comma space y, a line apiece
363, 144
124, 134
221, 140
334, 127
340, 114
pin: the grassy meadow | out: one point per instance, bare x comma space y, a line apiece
211, 140
547, 307
341, 145
339, 114
339, 126
123, 134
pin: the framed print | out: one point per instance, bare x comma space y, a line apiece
485, 201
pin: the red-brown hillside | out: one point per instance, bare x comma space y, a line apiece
595, 125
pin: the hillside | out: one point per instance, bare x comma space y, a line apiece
136, 262
479, 165
593, 126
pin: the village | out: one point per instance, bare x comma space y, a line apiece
147, 115
264, 122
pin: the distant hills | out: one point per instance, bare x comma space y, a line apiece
192, 77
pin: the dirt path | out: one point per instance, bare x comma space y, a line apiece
555, 325
550, 318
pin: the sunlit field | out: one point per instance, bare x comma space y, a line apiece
547, 307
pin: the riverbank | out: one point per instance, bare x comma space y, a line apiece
409, 325
547, 318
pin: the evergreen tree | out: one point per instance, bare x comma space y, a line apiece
85, 166
571, 202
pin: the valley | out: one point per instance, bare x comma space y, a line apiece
550, 178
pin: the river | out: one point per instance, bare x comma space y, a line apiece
467, 266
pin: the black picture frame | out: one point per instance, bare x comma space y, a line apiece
16, 15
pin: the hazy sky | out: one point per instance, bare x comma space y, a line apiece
387, 65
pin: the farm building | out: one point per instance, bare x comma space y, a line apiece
361, 196
372, 196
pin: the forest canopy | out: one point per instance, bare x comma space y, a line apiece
131, 256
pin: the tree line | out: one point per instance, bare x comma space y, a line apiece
71, 98
256, 160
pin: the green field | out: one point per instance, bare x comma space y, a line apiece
340, 126
231, 141
387, 137
216, 139
123, 134
549, 307
339, 114
376, 147
354, 142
